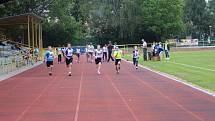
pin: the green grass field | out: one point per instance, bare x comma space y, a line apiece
197, 67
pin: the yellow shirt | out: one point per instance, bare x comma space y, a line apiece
118, 54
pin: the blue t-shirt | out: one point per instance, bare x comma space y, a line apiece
49, 56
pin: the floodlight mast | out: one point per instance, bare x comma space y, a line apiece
210, 30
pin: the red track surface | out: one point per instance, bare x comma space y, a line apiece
133, 95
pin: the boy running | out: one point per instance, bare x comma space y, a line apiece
69, 58
118, 57
98, 58
78, 53
49, 59
135, 57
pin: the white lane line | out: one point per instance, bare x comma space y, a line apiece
35, 100
178, 80
197, 67
79, 97
167, 97
123, 99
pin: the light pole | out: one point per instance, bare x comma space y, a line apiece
209, 39
210, 30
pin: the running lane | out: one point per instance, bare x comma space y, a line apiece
133, 95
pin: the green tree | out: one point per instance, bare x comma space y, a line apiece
163, 17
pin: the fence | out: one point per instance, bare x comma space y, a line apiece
10, 64
17, 61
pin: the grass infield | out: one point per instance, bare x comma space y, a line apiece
197, 67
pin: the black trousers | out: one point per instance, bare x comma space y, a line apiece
59, 58
105, 56
110, 56
135, 61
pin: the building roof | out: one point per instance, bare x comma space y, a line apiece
19, 19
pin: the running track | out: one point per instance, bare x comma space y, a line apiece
133, 95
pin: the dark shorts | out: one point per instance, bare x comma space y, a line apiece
49, 63
117, 61
78, 55
98, 60
91, 53
135, 59
69, 61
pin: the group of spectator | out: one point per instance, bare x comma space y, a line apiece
30, 55
157, 50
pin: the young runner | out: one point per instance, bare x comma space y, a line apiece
59, 53
63, 52
78, 53
118, 57
135, 57
105, 52
91, 51
110, 50
69, 58
98, 58
87, 53
49, 59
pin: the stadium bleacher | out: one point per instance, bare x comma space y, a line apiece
12, 56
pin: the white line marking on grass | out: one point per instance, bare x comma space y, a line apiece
178, 80
197, 67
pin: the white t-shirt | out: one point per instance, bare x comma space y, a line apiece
78, 50
98, 53
144, 45
105, 49
69, 52
91, 48
114, 47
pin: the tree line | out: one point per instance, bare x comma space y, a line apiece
121, 21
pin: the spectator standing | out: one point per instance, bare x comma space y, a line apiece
36, 53
144, 50
167, 49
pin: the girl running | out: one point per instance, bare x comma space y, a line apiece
135, 57
49, 59
87, 53
118, 58
98, 58
105, 52
78, 53
69, 58
91, 51
63, 52
59, 53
